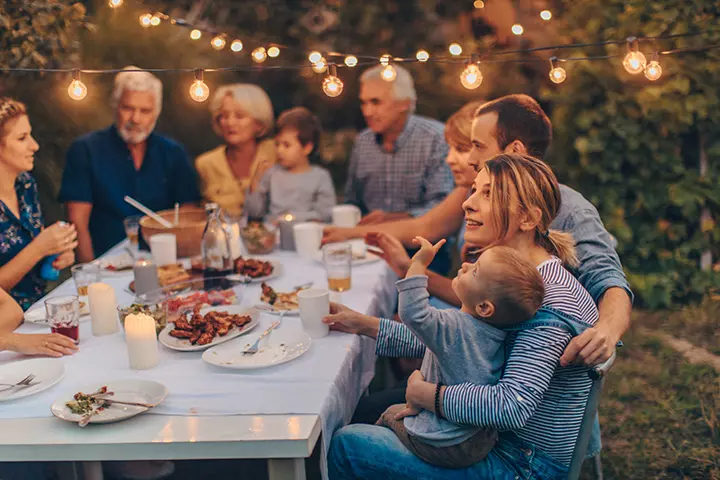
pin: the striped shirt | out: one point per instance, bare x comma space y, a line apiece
412, 178
540, 401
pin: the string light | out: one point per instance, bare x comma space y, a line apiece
259, 55
385, 59
115, 3
154, 21
557, 74
422, 56
471, 77
145, 19
320, 66
332, 85
479, 4
195, 34
388, 73
77, 89
199, 91
351, 61
634, 62
273, 52
218, 42
517, 29
546, 15
236, 46
455, 49
653, 70
315, 57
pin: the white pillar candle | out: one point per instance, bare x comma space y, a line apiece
235, 250
103, 309
141, 341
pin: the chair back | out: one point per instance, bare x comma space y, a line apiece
597, 375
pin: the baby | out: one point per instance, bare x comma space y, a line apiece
294, 185
499, 290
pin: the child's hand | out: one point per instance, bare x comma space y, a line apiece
427, 251
410, 410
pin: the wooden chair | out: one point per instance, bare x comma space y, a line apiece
597, 375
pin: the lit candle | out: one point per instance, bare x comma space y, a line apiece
141, 341
103, 309
287, 238
146, 277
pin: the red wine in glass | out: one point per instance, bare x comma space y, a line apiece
70, 331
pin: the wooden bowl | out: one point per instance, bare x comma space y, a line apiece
188, 231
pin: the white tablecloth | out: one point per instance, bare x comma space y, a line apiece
327, 380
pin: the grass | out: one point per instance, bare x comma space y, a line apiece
658, 412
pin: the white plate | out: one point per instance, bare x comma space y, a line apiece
277, 271
48, 372
39, 314
122, 262
144, 391
183, 345
356, 262
284, 345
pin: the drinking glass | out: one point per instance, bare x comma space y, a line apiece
84, 274
63, 314
132, 230
338, 264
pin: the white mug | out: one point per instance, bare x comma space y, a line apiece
346, 216
314, 305
308, 237
163, 247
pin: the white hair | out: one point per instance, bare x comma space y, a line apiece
251, 98
403, 87
137, 81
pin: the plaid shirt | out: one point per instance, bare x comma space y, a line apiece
412, 178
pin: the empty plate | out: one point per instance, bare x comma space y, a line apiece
47, 371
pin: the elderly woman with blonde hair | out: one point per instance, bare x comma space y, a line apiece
242, 115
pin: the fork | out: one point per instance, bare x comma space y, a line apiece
303, 286
25, 382
253, 349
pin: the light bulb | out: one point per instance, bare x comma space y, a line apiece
77, 90
634, 62
115, 3
557, 74
218, 42
315, 57
479, 4
546, 15
273, 52
154, 20
320, 66
332, 86
351, 60
236, 46
145, 20
653, 70
422, 56
199, 91
455, 49
195, 34
517, 29
385, 60
388, 73
471, 77
259, 55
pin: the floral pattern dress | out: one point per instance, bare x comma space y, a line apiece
17, 233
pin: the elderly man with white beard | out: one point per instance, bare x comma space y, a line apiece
127, 158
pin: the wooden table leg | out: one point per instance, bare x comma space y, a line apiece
286, 469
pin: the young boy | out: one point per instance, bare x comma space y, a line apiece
499, 290
294, 186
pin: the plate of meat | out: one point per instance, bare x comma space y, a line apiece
279, 301
256, 270
205, 327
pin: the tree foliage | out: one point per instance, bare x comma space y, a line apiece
633, 146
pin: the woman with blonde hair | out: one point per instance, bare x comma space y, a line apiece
537, 405
242, 115
25, 243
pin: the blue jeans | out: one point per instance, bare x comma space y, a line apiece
373, 452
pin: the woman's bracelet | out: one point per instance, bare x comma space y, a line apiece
438, 387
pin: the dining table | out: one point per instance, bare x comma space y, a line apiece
278, 414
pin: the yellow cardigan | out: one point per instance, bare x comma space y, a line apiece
217, 182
